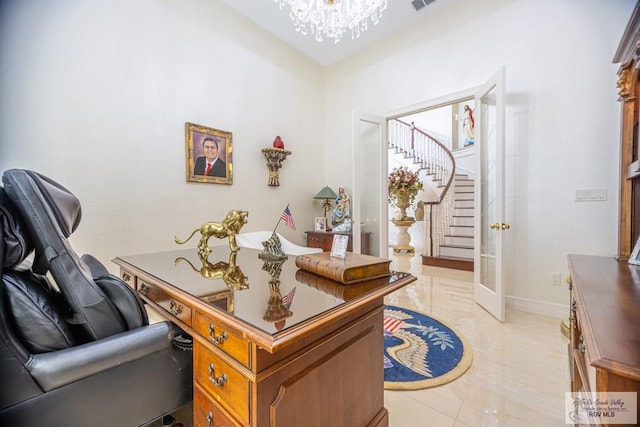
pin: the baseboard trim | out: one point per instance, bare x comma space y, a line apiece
561, 311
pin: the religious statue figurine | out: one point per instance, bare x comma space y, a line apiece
341, 215
468, 126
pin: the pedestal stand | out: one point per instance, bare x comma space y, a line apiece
403, 237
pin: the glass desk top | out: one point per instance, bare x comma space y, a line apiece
271, 295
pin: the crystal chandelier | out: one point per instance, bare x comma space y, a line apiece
331, 18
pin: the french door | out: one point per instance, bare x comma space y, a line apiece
490, 224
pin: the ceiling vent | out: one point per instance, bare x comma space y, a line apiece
419, 4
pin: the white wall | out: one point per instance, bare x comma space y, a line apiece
562, 125
96, 95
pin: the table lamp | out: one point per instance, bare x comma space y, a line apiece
326, 193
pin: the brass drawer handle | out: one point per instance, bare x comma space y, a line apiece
175, 308
126, 277
574, 306
582, 348
144, 289
210, 420
216, 340
218, 382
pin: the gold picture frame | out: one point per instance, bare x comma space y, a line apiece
215, 142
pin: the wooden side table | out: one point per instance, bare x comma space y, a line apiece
324, 239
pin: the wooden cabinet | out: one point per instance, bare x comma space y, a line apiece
604, 353
628, 56
324, 239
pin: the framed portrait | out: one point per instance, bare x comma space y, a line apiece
209, 154
320, 223
634, 258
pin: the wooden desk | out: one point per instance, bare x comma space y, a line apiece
324, 239
604, 353
322, 366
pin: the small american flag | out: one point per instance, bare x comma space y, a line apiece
288, 218
288, 298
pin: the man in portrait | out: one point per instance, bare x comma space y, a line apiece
210, 164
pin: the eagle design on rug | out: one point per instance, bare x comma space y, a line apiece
412, 352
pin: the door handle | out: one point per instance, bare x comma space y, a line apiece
500, 226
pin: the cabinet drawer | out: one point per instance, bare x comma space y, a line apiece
221, 381
171, 305
207, 413
223, 338
315, 241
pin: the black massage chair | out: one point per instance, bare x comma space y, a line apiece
76, 347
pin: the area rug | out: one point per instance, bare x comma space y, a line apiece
420, 351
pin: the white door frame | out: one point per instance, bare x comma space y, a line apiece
431, 104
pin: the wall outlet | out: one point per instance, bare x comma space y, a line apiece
555, 279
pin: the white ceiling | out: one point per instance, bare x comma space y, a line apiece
398, 15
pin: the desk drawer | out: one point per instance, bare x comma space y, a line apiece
171, 305
227, 386
221, 337
207, 413
128, 277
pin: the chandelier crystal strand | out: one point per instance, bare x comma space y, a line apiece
332, 18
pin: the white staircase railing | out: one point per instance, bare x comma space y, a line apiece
437, 162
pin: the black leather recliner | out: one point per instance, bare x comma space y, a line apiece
77, 350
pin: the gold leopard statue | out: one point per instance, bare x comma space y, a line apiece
229, 227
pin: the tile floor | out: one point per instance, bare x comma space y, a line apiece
520, 369
519, 373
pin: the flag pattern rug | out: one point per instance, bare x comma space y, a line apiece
420, 351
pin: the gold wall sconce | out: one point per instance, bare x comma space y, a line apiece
275, 157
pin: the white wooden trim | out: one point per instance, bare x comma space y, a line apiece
561, 311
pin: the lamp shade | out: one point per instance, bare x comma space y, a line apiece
326, 193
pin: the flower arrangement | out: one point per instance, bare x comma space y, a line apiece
402, 180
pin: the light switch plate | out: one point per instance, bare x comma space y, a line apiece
591, 195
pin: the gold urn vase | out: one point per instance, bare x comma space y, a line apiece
402, 203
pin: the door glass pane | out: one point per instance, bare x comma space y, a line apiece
488, 190
370, 178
